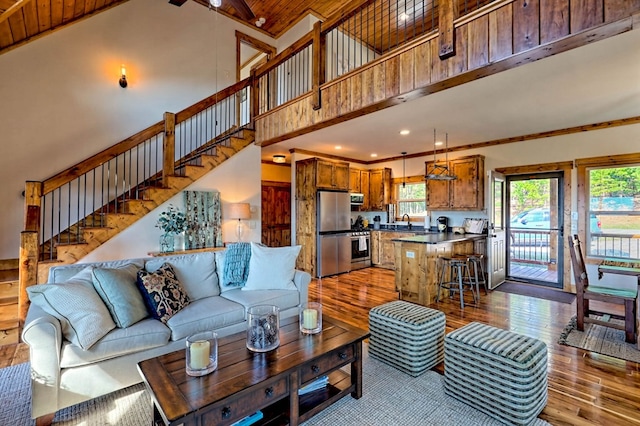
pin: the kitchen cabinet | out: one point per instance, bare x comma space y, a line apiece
382, 250
375, 184
466, 192
354, 180
314, 174
332, 175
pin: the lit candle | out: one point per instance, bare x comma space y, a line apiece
310, 319
199, 353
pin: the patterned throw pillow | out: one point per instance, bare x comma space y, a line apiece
162, 292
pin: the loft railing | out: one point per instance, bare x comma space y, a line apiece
80, 196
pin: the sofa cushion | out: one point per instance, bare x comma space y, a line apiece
146, 334
62, 273
117, 289
272, 268
206, 314
84, 319
162, 292
283, 299
196, 272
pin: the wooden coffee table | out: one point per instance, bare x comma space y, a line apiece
246, 382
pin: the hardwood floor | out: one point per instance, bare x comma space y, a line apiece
584, 388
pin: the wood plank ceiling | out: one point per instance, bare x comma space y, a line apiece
22, 21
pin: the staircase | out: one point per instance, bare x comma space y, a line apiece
94, 232
9, 324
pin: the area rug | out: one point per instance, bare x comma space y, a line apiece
537, 292
390, 397
599, 339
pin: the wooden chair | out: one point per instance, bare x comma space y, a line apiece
586, 292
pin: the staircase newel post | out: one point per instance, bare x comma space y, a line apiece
169, 148
28, 256
319, 52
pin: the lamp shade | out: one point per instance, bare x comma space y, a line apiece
240, 211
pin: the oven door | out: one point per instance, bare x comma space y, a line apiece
360, 251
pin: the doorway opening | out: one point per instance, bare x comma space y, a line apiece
534, 230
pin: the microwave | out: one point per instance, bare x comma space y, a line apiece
357, 199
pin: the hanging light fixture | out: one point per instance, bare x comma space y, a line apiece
404, 175
440, 172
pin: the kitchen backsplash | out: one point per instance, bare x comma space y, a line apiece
455, 218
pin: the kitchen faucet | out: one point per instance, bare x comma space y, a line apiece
408, 220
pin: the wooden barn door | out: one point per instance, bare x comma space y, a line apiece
276, 214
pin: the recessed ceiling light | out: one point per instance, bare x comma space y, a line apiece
374, 155
338, 147
404, 132
438, 143
403, 16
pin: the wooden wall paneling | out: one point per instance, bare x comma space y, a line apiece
79, 8
329, 102
458, 63
367, 87
289, 118
501, 33
356, 91
554, 20
407, 69
526, 25
439, 69
68, 11
345, 95
422, 64
618, 9
44, 14
585, 14
380, 79
446, 36
392, 77
478, 42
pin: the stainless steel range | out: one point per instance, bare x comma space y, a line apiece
360, 249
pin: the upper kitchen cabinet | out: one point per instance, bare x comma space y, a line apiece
466, 192
331, 175
379, 189
355, 180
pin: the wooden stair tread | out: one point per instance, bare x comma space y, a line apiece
9, 275
8, 300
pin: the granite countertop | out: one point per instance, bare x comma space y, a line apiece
440, 237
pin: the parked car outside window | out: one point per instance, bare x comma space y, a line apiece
539, 219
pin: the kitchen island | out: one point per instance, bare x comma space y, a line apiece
416, 261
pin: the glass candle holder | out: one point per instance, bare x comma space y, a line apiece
311, 318
202, 353
263, 325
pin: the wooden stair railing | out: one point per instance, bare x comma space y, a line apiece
78, 209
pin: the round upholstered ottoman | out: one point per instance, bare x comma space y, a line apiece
501, 373
407, 336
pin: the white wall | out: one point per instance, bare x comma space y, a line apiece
143, 237
60, 98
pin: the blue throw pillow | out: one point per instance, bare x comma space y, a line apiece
162, 293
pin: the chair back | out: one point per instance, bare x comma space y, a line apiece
577, 260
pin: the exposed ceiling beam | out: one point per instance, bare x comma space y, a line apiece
7, 13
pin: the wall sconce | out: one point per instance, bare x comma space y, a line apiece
123, 79
240, 211
279, 158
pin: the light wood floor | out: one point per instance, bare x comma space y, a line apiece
584, 388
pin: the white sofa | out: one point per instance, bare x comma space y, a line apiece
64, 374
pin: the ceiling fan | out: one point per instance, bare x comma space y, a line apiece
240, 6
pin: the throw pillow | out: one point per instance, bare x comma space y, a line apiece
162, 292
117, 289
272, 268
84, 319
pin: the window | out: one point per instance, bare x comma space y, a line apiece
613, 217
411, 199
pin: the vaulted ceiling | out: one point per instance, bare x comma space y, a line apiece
22, 21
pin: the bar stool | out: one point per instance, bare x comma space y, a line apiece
457, 268
477, 261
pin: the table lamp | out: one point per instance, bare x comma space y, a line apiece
240, 211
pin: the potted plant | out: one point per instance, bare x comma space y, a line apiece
173, 222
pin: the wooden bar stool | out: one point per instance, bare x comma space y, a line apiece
456, 268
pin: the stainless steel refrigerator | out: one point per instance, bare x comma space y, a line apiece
334, 233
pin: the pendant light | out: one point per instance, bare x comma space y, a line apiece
404, 175
438, 172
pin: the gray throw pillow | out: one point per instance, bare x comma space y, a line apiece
117, 289
84, 318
